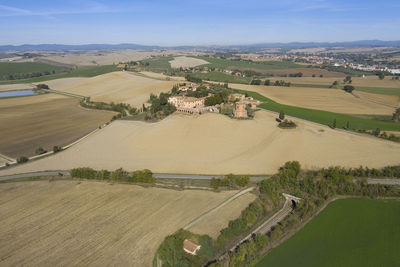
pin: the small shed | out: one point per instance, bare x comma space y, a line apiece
190, 246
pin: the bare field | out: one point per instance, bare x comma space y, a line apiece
216, 144
213, 223
117, 87
12, 87
27, 123
367, 81
333, 100
74, 223
95, 58
186, 62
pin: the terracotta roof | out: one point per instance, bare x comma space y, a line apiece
190, 246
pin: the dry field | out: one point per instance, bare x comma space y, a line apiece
27, 123
333, 100
11, 87
213, 223
73, 223
114, 87
216, 144
95, 58
162, 76
186, 62
368, 81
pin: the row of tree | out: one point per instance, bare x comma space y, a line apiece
139, 176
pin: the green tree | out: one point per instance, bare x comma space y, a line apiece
334, 124
267, 82
56, 149
22, 159
348, 88
381, 76
281, 115
347, 79
40, 150
377, 132
347, 125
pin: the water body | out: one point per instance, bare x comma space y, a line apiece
16, 93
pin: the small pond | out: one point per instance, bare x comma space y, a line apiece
16, 93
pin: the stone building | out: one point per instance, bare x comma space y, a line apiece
240, 110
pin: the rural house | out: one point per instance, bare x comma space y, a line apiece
190, 246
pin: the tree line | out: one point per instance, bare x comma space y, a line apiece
139, 176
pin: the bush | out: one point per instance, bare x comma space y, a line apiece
255, 82
287, 124
56, 149
40, 151
22, 159
349, 88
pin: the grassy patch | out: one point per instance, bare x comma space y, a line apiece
25, 68
349, 232
324, 117
221, 77
84, 72
158, 64
269, 65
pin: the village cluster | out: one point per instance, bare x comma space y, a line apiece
240, 104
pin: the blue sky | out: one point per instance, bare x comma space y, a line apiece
172, 22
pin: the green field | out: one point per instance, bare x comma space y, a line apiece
84, 72
158, 64
221, 77
15, 70
349, 232
324, 117
266, 65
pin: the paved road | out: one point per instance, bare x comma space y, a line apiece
36, 174
157, 175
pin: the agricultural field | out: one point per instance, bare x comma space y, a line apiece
12, 87
186, 62
349, 232
48, 120
204, 145
117, 87
221, 77
15, 70
92, 223
83, 72
332, 100
213, 223
268, 65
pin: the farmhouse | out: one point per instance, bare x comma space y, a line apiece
186, 102
190, 246
240, 110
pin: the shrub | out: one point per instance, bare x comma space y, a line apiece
22, 159
40, 151
56, 149
348, 88
287, 124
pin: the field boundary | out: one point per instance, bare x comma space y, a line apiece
240, 193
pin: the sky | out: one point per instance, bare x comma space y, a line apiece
205, 22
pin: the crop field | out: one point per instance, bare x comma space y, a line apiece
117, 87
221, 77
92, 223
83, 72
356, 122
27, 123
186, 62
307, 72
349, 232
216, 144
333, 100
8, 69
269, 65
213, 223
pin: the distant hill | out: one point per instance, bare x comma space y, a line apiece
292, 45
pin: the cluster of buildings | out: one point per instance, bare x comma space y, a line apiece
374, 68
193, 105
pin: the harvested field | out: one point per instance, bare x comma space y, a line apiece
27, 123
333, 100
12, 87
187, 62
73, 223
94, 58
216, 144
367, 81
162, 76
214, 222
114, 87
